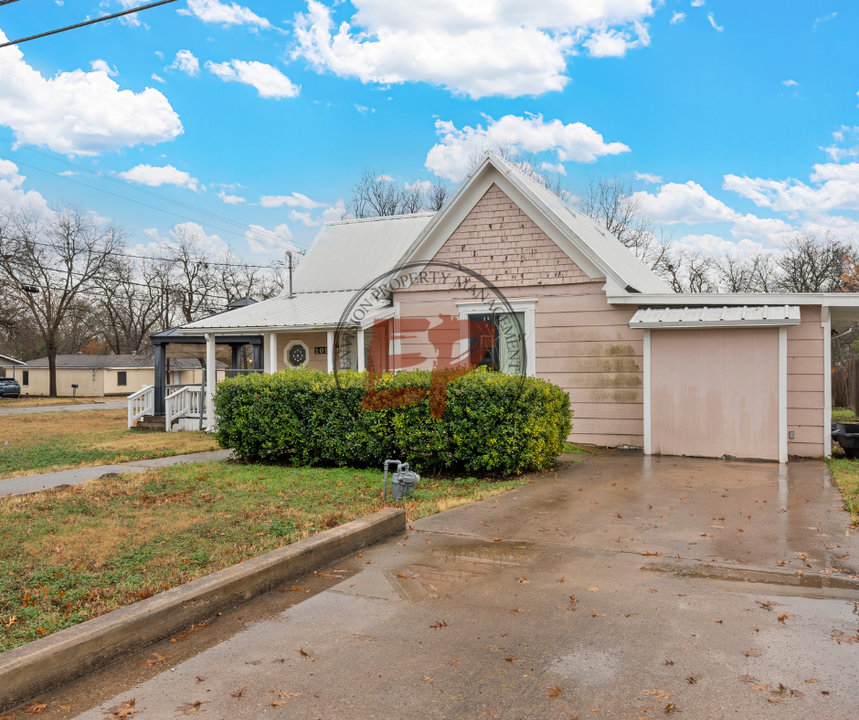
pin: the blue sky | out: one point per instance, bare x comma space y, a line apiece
738, 123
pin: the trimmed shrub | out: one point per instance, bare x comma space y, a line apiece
493, 423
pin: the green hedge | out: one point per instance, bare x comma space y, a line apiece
494, 423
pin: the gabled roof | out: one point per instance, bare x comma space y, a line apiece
102, 362
344, 257
710, 317
598, 253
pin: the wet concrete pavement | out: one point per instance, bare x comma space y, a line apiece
618, 587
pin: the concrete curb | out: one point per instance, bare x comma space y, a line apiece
45, 664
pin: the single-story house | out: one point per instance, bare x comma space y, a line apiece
8, 365
711, 375
103, 375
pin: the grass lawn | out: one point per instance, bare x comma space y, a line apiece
845, 473
40, 400
576, 449
843, 415
73, 554
42, 442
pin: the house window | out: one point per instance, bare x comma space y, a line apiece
296, 354
513, 348
25, 377
121, 378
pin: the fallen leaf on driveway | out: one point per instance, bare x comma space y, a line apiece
594, 613
123, 711
748, 679
522, 580
428, 679
783, 617
497, 540
438, 624
157, 660
238, 693
593, 589
36, 707
193, 708
753, 652
511, 659
657, 694
812, 680
555, 692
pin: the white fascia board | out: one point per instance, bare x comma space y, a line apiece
695, 324
257, 330
695, 299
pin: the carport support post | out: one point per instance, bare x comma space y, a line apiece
782, 394
211, 380
360, 349
161, 378
330, 351
826, 322
646, 391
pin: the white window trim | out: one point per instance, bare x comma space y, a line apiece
291, 344
526, 306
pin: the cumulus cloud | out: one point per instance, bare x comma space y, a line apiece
678, 17
712, 19
78, 112
12, 193
269, 242
294, 200
555, 168
213, 11
833, 187
157, 176
687, 203
648, 177
158, 78
715, 245
697, 3
102, 66
231, 199
187, 63
452, 157
789, 83
267, 79
509, 49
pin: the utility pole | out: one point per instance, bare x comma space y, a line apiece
289, 266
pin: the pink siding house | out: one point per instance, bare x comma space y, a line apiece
710, 375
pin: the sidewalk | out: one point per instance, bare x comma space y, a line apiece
107, 405
34, 483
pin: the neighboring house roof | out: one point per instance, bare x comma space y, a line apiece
596, 251
710, 317
9, 360
98, 362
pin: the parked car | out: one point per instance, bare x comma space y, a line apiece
9, 387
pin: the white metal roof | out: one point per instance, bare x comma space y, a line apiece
349, 254
302, 311
725, 316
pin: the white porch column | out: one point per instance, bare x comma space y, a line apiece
646, 360
211, 381
272, 354
360, 334
330, 351
782, 395
826, 322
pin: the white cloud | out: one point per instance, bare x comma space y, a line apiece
187, 63
269, 242
78, 112
789, 83
11, 192
837, 189
304, 218
158, 176
159, 54
824, 19
384, 178
712, 20
231, 199
836, 153
158, 78
294, 200
335, 212
648, 177
697, 3
715, 245
67, 173
363, 109
678, 17
555, 168
207, 243
476, 49
102, 66
268, 80
452, 157
686, 203
421, 185
213, 11
768, 229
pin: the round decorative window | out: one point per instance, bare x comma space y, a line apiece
295, 354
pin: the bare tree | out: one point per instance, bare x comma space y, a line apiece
612, 203
375, 195
48, 263
437, 195
412, 198
809, 265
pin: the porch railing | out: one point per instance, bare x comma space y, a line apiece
141, 403
184, 402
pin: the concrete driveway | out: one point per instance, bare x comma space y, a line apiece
618, 587
101, 405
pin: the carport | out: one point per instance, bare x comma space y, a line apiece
716, 380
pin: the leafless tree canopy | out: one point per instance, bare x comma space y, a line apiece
70, 285
377, 195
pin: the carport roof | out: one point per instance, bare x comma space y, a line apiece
715, 317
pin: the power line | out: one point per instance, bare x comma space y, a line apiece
151, 207
85, 23
193, 208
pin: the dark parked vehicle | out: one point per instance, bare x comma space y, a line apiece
847, 436
9, 387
